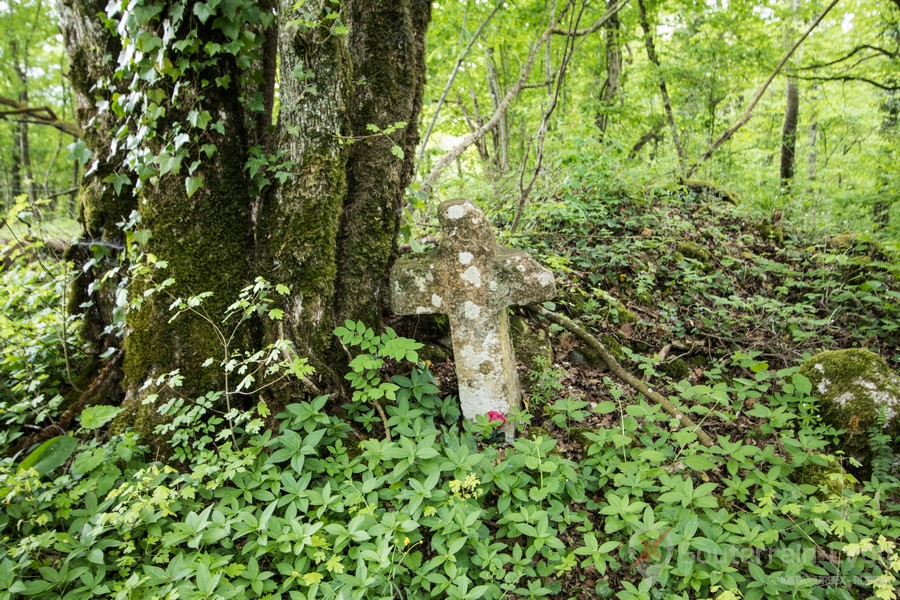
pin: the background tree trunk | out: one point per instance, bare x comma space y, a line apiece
663, 90
789, 134
611, 87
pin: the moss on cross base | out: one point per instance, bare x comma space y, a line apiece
855, 387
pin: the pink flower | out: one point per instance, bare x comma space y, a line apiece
493, 415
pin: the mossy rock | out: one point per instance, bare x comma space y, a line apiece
583, 355
531, 346
626, 316
707, 190
677, 369
831, 479
855, 387
770, 232
694, 251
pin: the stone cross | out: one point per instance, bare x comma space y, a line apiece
473, 280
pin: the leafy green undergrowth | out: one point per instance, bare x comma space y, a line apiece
38, 341
315, 508
670, 266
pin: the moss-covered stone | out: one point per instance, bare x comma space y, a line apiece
770, 232
831, 478
584, 356
677, 369
709, 191
695, 251
531, 347
855, 387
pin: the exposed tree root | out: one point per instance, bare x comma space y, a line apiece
617, 369
100, 389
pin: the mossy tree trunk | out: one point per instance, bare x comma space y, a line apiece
92, 50
298, 225
206, 238
387, 48
328, 232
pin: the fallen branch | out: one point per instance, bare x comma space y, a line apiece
759, 94
619, 371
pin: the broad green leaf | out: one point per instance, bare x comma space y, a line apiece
95, 417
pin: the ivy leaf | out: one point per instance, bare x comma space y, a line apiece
192, 184
181, 139
78, 151
203, 11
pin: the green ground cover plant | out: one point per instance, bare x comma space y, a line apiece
388, 493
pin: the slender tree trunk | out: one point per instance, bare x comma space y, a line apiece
789, 135
791, 112
812, 138
663, 90
501, 152
21, 70
611, 87
15, 169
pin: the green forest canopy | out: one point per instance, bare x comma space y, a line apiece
712, 57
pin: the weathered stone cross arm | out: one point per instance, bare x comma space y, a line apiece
472, 280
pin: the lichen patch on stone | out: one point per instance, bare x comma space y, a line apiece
472, 275
456, 212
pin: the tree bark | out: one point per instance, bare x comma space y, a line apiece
206, 238
298, 225
329, 232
